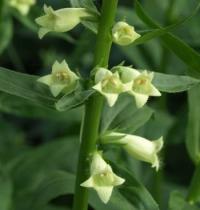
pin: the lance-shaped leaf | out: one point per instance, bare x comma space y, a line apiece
25, 86
187, 54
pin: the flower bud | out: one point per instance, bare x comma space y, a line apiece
102, 178
62, 79
23, 6
124, 34
61, 20
108, 84
140, 148
139, 84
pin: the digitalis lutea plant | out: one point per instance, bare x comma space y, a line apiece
110, 84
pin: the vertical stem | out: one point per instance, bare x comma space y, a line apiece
194, 189
91, 120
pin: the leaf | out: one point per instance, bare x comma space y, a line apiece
35, 162
188, 55
25, 86
162, 31
23, 107
31, 167
117, 202
89, 4
62, 183
134, 191
53, 185
193, 127
125, 116
177, 200
173, 83
5, 191
194, 189
73, 100
6, 31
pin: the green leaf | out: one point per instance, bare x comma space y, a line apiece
28, 166
173, 83
25, 86
194, 189
5, 191
89, 4
62, 183
162, 31
125, 116
193, 127
73, 100
177, 201
187, 54
23, 107
117, 202
6, 31
31, 167
134, 191
53, 185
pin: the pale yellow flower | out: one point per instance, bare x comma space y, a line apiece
138, 147
102, 178
124, 34
62, 79
108, 84
61, 20
23, 6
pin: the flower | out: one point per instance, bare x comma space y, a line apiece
124, 34
108, 84
138, 147
23, 6
62, 79
102, 178
138, 84
61, 20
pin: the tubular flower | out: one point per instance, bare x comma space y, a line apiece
108, 84
124, 34
138, 147
62, 79
139, 84
23, 6
102, 178
61, 20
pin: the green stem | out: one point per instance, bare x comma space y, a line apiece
91, 120
194, 189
